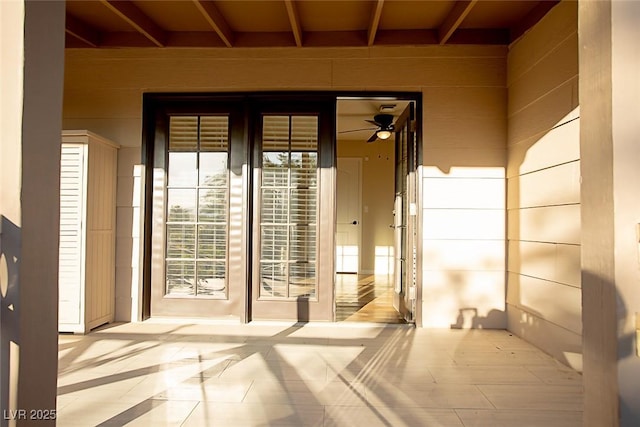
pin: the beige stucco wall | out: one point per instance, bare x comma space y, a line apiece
543, 280
464, 139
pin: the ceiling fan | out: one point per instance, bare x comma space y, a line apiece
384, 129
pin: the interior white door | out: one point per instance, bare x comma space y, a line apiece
348, 228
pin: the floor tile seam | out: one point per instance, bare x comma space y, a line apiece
484, 366
558, 372
116, 418
408, 419
485, 397
481, 383
402, 405
534, 374
120, 392
407, 394
502, 363
505, 410
455, 411
515, 411
138, 379
546, 408
246, 393
547, 387
546, 404
166, 387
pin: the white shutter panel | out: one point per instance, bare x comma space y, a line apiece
71, 263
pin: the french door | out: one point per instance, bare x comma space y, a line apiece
293, 233
236, 216
241, 207
405, 215
198, 209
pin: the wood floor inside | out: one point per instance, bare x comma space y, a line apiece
365, 298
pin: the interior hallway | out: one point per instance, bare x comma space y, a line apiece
340, 374
365, 298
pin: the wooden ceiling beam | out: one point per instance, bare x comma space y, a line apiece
294, 19
374, 23
453, 20
216, 20
82, 31
138, 20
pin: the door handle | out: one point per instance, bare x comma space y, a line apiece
354, 222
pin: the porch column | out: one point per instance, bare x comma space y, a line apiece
31, 69
610, 153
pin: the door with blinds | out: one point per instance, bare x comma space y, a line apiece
294, 213
236, 215
198, 208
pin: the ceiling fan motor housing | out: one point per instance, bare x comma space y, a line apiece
384, 120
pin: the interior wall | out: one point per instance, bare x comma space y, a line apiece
543, 280
464, 142
377, 198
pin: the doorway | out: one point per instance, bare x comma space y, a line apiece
242, 210
372, 282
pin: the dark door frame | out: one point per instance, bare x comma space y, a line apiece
155, 105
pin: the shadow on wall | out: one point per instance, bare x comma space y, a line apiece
541, 221
468, 319
594, 285
9, 307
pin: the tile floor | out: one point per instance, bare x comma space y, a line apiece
342, 374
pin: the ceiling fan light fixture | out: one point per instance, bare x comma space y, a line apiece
383, 134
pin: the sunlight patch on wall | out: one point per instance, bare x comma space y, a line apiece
347, 258
384, 260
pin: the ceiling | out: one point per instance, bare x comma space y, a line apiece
352, 114
237, 24
297, 23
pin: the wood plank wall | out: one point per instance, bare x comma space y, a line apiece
543, 187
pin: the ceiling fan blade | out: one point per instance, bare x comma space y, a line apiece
355, 130
373, 137
373, 122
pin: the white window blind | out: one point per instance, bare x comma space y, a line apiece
197, 206
288, 207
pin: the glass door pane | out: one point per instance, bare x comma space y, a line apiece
197, 207
288, 207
